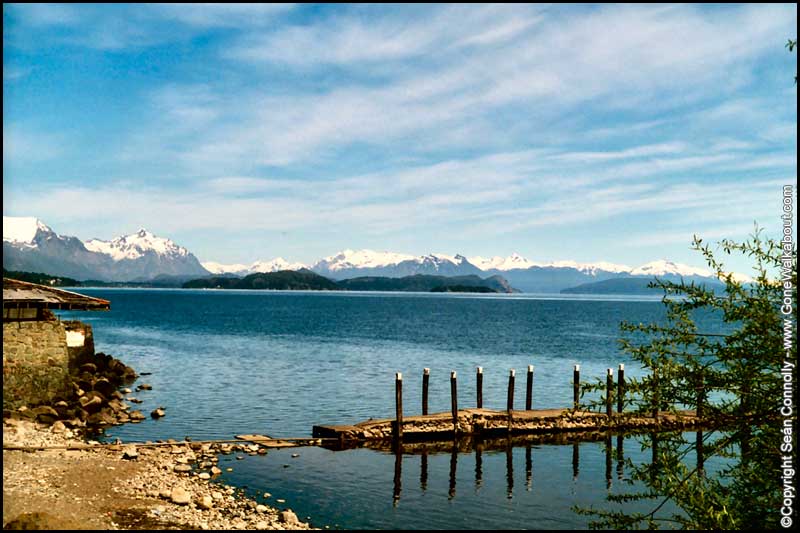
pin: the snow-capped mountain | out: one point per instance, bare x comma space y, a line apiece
354, 263
663, 267
238, 269
516, 261
30, 245
274, 265
350, 259
501, 263
136, 245
23, 230
144, 256
590, 268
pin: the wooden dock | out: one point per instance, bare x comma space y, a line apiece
493, 423
480, 422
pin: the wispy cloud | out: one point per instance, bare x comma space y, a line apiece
23, 144
121, 27
11, 73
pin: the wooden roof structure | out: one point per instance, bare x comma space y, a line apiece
21, 294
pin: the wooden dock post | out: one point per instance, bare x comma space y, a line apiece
656, 395
576, 386
698, 443
699, 414
529, 390
620, 387
426, 375
454, 401
701, 398
479, 381
510, 403
398, 400
609, 392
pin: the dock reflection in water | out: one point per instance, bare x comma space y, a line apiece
466, 484
476, 448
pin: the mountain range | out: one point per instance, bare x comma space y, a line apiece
30, 245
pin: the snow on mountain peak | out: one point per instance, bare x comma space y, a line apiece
590, 268
22, 230
136, 245
238, 269
279, 263
362, 259
220, 268
663, 267
438, 258
501, 263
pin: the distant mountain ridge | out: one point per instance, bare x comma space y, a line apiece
425, 283
30, 245
631, 285
308, 280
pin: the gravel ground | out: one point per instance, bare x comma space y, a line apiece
123, 487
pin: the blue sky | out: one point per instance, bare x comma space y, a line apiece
247, 132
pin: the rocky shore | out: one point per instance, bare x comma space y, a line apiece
94, 402
55, 478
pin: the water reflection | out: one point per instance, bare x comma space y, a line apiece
576, 461
453, 464
423, 471
507, 445
609, 451
398, 474
613, 452
424, 484
509, 470
699, 448
478, 465
528, 468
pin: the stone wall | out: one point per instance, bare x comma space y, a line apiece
35, 363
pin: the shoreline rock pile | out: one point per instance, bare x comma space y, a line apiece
95, 402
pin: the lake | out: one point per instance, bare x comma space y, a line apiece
234, 362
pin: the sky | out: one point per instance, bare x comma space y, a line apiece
247, 132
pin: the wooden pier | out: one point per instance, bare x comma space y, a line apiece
488, 423
482, 422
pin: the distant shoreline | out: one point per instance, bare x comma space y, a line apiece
551, 296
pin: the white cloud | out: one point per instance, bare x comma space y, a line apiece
610, 57
222, 15
23, 144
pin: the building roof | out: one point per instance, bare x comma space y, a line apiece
23, 294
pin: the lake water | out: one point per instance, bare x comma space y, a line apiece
234, 362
